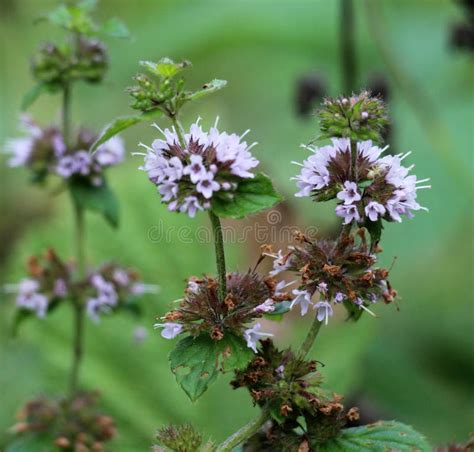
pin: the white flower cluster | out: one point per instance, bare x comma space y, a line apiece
209, 164
82, 162
44, 151
378, 186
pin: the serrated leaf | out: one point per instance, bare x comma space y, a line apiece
100, 199
196, 361
120, 124
251, 196
115, 28
381, 436
208, 88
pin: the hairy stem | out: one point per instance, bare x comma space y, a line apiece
179, 130
348, 59
244, 433
310, 338
220, 256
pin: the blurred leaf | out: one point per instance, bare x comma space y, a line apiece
115, 28
33, 94
208, 88
251, 196
165, 67
72, 18
121, 124
87, 5
31, 442
20, 316
202, 357
381, 436
101, 199
375, 229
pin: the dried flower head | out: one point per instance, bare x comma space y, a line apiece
44, 152
71, 424
340, 271
201, 310
210, 165
378, 187
290, 387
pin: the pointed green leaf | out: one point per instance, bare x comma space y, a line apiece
100, 199
196, 361
251, 196
280, 309
165, 67
381, 436
120, 124
208, 88
115, 28
32, 95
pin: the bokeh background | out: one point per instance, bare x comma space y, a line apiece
415, 365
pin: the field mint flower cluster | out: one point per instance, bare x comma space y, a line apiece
70, 422
222, 323
207, 165
375, 187
43, 151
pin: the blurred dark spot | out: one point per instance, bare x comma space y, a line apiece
378, 85
462, 36
310, 90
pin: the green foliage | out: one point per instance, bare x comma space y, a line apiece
180, 438
196, 361
165, 90
77, 19
252, 196
30, 442
381, 436
34, 93
120, 124
100, 199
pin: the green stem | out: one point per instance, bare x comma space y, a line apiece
244, 433
179, 130
79, 313
66, 121
220, 256
310, 338
348, 59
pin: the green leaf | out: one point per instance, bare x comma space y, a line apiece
20, 316
30, 442
120, 124
33, 94
280, 309
375, 229
72, 18
87, 5
251, 196
208, 88
165, 67
101, 199
115, 28
381, 436
196, 361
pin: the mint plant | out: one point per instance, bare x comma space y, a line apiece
217, 319
60, 153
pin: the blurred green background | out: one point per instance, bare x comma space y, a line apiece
415, 365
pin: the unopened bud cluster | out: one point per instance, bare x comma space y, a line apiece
70, 424
359, 117
43, 151
248, 297
51, 281
160, 90
82, 59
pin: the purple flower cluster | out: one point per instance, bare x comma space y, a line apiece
378, 187
51, 281
44, 151
210, 164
